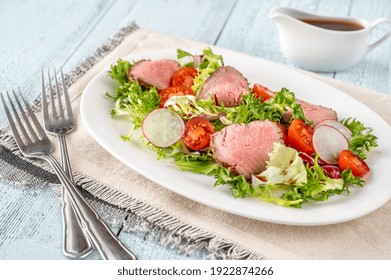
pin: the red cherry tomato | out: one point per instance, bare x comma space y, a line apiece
300, 136
348, 159
197, 134
262, 92
184, 77
166, 93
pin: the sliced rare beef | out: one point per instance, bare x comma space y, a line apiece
226, 86
154, 72
314, 113
244, 148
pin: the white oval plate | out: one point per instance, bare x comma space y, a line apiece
95, 111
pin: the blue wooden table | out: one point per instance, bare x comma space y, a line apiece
35, 33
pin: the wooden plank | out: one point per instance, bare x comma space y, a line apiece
30, 224
374, 71
199, 20
109, 23
42, 33
195, 20
334, 8
250, 30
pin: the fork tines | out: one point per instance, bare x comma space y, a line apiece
55, 91
22, 136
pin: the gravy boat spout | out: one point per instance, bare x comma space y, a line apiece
283, 15
321, 43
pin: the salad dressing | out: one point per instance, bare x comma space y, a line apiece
333, 24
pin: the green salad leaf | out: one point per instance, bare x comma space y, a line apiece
181, 54
185, 58
350, 180
188, 106
362, 140
252, 108
197, 166
239, 186
119, 71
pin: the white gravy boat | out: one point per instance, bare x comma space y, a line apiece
319, 49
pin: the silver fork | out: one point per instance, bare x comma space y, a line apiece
34, 143
76, 243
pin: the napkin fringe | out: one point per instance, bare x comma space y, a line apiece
178, 231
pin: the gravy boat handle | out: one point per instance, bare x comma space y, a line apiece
384, 37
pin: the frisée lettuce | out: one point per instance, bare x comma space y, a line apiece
209, 62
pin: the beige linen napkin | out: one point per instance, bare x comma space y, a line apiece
364, 238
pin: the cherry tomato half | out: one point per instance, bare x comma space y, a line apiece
262, 92
300, 136
348, 159
197, 134
166, 93
184, 77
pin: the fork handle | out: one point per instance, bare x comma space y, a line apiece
108, 245
76, 243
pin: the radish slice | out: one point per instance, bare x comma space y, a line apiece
197, 59
337, 125
328, 143
163, 127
